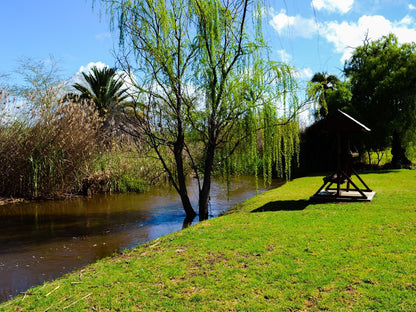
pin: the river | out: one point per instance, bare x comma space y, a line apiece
41, 241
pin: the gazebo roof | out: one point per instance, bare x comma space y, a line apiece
342, 122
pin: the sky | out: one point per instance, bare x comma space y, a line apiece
320, 35
311, 35
69, 31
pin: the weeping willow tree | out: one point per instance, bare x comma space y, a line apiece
266, 139
203, 90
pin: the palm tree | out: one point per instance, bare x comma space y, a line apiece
103, 90
317, 90
328, 81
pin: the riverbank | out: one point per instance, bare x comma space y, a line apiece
278, 251
10, 200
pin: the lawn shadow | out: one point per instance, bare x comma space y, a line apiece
284, 205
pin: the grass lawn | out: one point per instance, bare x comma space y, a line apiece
277, 252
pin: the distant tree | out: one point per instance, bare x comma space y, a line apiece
383, 84
339, 97
192, 61
42, 84
3, 81
319, 87
102, 89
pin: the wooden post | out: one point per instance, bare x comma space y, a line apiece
339, 171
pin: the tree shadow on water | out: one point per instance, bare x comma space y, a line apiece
284, 205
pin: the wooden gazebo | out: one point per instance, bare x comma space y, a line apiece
343, 126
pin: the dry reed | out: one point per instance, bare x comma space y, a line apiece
44, 147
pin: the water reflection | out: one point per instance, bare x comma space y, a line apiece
42, 241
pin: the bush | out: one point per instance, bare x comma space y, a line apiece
122, 168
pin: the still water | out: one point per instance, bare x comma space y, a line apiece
44, 240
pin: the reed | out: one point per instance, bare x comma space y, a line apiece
44, 148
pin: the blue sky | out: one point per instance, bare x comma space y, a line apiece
320, 35
70, 31
313, 36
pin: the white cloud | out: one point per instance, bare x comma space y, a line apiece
78, 78
129, 80
284, 56
304, 73
294, 25
347, 36
103, 36
412, 7
406, 21
341, 6
99, 65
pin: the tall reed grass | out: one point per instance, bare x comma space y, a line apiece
44, 147
51, 147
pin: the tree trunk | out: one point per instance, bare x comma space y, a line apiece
399, 153
206, 186
369, 157
183, 193
186, 203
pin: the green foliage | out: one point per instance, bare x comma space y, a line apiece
383, 89
102, 89
277, 252
267, 139
124, 169
201, 77
339, 97
130, 183
51, 146
329, 94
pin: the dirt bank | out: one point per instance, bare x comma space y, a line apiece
10, 200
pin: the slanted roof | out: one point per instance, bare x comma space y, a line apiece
342, 122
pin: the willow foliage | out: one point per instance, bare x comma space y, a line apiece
266, 139
206, 89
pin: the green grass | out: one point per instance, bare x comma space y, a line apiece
291, 255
